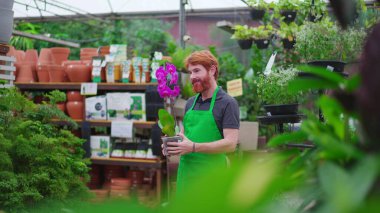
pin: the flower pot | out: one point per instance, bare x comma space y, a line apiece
245, 44
6, 4
288, 44
75, 109
56, 73
20, 56
79, 73
335, 66
59, 54
62, 107
282, 109
25, 73
6, 23
288, 15
136, 177
31, 56
74, 96
262, 43
165, 140
45, 56
257, 14
104, 50
43, 73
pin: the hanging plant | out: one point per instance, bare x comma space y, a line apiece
287, 34
258, 8
262, 36
288, 9
243, 34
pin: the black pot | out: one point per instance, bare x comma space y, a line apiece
262, 43
257, 14
335, 66
282, 109
288, 15
288, 44
245, 44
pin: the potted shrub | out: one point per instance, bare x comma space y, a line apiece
314, 10
257, 8
324, 44
287, 34
272, 90
57, 98
262, 36
288, 9
168, 89
243, 34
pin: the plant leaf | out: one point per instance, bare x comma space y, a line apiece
298, 136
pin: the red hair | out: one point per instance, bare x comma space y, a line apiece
204, 58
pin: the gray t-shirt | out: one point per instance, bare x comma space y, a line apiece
226, 110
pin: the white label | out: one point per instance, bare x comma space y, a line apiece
104, 63
158, 56
113, 49
89, 89
330, 68
96, 63
122, 129
96, 71
268, 68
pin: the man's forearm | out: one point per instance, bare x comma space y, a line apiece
220, 146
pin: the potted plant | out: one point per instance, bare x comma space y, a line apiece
243, 34
288, 9
287, 34
272, 90
323, 44
314, 10
168, 89
262, 36
257, 8
57, 98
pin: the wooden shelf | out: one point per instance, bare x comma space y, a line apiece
106, 123
152, 163
77, 86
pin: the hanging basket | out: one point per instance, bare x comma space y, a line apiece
245, 44
289, 15
288, 44
262, 43
257, 14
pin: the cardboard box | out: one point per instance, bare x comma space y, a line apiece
126, 106
100, 146
96, 108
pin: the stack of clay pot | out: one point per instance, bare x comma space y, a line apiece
100, 195
26, 68
94, 177
111, 172
143, 193
86, 54
136, 176
78, 71
75, 105
120, 188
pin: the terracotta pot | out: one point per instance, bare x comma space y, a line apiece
43, 73
88, 50
45, 56
56, 73
147, 77
74, 96
104, 50
60, 54
20, 56
62, 107
67, 63
25, 73
136, 176
75, 109
31, 56
79, 73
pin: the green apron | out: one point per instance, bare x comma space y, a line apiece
199, 127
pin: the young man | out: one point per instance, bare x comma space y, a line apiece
211, 123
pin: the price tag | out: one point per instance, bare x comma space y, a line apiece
89, 89
121, 129
235, 87
268, 68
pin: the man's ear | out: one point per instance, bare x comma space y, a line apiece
212, 70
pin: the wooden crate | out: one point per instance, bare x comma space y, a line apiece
7, 70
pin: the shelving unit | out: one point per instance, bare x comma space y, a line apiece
156, 164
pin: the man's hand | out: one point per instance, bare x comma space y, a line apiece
180, 148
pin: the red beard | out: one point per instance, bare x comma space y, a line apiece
200, 85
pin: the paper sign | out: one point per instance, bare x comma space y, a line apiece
89, 89
268, 68
121, 129
235, 87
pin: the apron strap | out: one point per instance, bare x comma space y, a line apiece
195, 101
213, 99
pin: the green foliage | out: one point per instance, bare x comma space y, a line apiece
23, 43
242, 32
259, 4
187, 90
56, 96
318, 10
262, 32
288, 4
39, 161
166, 122
325, 41
179, 56
288, 31
273, 88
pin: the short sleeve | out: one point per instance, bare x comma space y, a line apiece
231, 118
